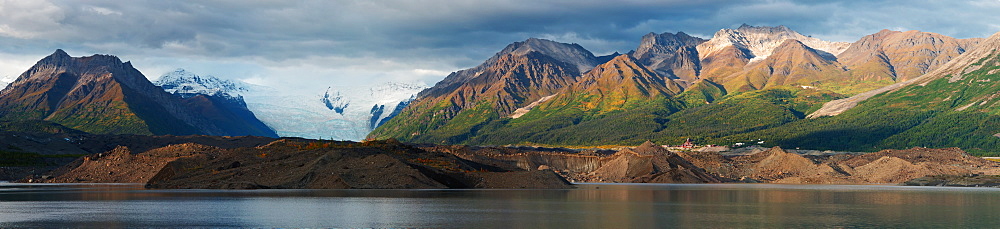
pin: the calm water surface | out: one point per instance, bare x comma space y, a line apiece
589, 206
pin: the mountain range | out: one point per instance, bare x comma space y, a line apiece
752, 83
760, 84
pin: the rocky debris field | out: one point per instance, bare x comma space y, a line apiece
295, 164
651, 163
257, 163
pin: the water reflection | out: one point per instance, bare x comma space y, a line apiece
589, 206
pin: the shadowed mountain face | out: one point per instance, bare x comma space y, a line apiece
101, 94
671, 55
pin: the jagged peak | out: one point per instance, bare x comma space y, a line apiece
677, 37
779, 28
761, 41
537, 44
59, 57
573, 54
60, 53
623, 72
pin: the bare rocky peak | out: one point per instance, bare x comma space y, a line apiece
653, 42
625, 73
957, 67
671, 55
902, 55
989, 47
89, 68
762, 40
57, 58
572, 54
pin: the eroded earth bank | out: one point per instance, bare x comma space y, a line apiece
261, 163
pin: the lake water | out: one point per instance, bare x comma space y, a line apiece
589, 206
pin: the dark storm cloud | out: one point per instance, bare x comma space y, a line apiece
433, 35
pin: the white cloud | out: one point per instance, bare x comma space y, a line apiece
103, 11
29, 19
13, 65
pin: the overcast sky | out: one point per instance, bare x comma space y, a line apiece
315, 44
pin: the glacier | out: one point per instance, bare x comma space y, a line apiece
337, 113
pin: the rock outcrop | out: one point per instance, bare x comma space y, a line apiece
671, 55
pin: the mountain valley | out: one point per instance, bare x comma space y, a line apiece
765, 86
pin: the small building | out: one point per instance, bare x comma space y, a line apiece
688, 144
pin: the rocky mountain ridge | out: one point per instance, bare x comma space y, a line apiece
761, 41
102, 94
671, 55
728, 96
955, 68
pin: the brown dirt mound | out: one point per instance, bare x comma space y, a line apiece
919, 154
651, 163
779, 166
889, 170
120, 165
623, 167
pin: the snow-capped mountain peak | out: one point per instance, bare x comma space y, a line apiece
183, 83
762, 40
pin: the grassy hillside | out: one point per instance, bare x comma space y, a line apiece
37, 126
946, 112
588, 120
